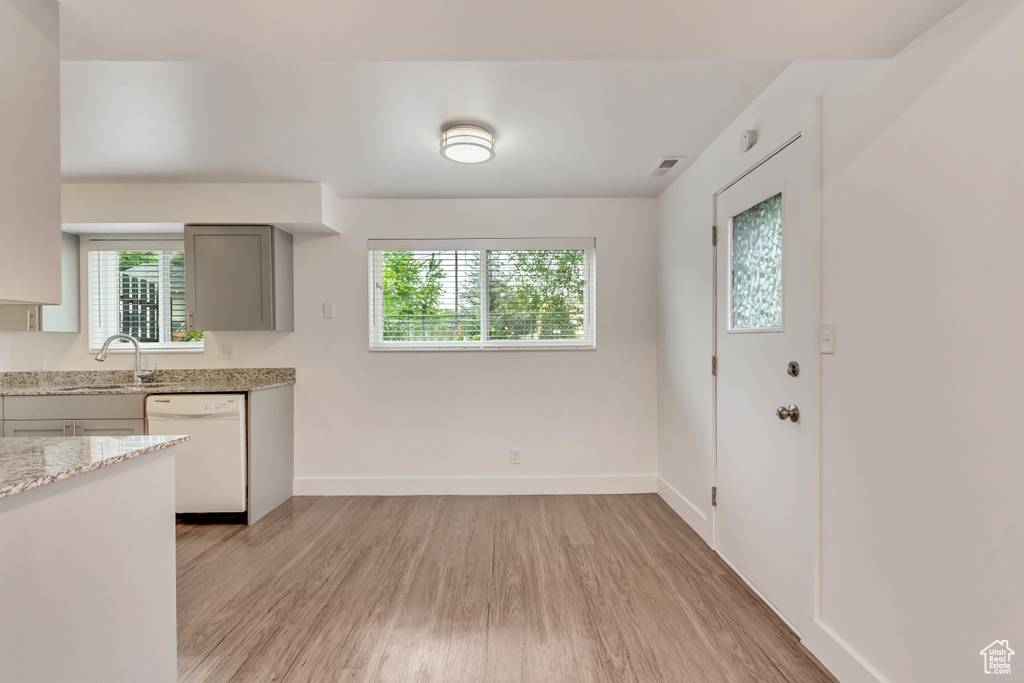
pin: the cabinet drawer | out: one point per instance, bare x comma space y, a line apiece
109, 427
113, 407
37, 428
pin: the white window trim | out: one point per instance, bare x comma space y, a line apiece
375, 267
126, 242
148, 347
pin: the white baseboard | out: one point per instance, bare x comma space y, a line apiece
838, 657
830, 649
473, 486
684, 507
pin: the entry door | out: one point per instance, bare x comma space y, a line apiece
765, 301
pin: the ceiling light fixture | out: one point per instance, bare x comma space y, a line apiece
467, 144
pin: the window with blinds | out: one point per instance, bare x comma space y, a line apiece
475, 294
140, 293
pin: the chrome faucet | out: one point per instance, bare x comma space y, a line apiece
139, 372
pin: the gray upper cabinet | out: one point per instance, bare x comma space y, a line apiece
239, 277
19, 318
65, 317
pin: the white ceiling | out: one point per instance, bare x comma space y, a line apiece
353, 94
491, 30
371, 129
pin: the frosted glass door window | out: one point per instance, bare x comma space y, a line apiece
756, 296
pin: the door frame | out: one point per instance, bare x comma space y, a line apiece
816, 420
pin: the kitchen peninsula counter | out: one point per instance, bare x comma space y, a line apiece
87, 559
26, 463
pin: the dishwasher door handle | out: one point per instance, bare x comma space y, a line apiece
189, 416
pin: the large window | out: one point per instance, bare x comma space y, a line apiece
473, 294
140, 292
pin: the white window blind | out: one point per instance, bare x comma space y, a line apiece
482, 294
141, 292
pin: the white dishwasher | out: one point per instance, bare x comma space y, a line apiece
209, 469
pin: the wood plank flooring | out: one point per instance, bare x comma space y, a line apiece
521, 588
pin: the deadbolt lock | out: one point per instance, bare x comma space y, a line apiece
793, 369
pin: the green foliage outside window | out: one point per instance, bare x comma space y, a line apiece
130, 259
435, 296
536, 294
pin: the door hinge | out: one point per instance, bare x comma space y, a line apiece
714, 366
714, 235
714, 496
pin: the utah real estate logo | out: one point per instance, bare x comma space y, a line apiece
997, 657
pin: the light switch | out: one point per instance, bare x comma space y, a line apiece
828, 337
328, 310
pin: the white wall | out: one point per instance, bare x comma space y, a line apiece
685, 426
922, 409
921, 426
382, 422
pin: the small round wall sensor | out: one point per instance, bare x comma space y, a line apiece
748, 140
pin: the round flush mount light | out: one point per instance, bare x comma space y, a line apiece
467, 144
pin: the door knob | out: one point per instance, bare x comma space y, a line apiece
790, 413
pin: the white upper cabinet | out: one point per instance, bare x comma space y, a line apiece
30, 241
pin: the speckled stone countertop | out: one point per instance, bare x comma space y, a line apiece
206, 381
26, 463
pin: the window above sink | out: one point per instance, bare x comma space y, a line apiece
137, 287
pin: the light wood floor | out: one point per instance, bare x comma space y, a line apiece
545, 588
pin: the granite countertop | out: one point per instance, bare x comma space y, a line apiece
26, 463
206, 381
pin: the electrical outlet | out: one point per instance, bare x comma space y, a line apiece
328, 310
226, 350
514, 456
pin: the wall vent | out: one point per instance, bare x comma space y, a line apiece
664, 166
